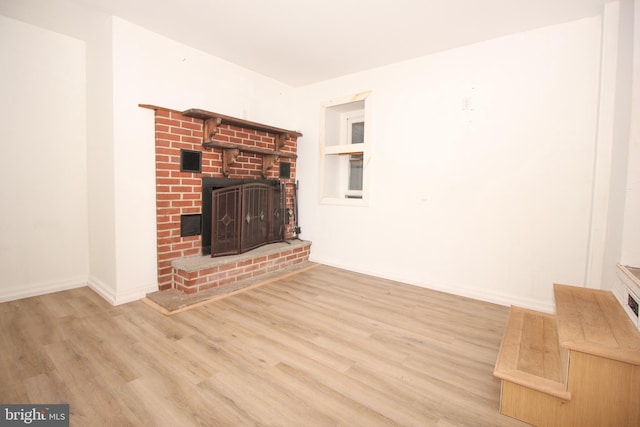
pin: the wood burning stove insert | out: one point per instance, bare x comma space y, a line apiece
241, 214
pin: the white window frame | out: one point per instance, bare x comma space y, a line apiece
346, 122
336, 149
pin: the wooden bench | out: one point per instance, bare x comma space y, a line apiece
530, 354
579, 367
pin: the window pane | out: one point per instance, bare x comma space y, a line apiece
357, 133
355, 172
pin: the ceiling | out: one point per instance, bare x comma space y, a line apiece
299, 42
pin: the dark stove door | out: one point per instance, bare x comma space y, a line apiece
225, 224
245, 217
256, 201
276, 228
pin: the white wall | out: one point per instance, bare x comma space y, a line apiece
619, 134
490, 201
43, 232
631, 235
93, 27
151, 69
500, 191
100, 158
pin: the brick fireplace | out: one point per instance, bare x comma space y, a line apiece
197, 146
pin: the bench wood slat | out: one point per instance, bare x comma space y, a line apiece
530, 354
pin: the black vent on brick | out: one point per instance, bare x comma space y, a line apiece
285, 170
190, 161
190, 225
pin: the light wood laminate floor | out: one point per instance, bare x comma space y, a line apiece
324, 347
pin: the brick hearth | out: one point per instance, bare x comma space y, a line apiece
193, 274
180, 263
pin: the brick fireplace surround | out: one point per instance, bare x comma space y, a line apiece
179, 193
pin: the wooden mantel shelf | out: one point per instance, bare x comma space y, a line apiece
211, 121
247, 149
234, 121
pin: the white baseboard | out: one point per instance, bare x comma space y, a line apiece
123, 297
135, 294
28, 290
102, 289
479, 294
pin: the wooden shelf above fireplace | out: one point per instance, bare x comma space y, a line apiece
211, 121
234, 121
247, 149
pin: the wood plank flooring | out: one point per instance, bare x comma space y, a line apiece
324, 347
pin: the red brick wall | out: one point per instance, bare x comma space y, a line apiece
229, 273
179, 193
